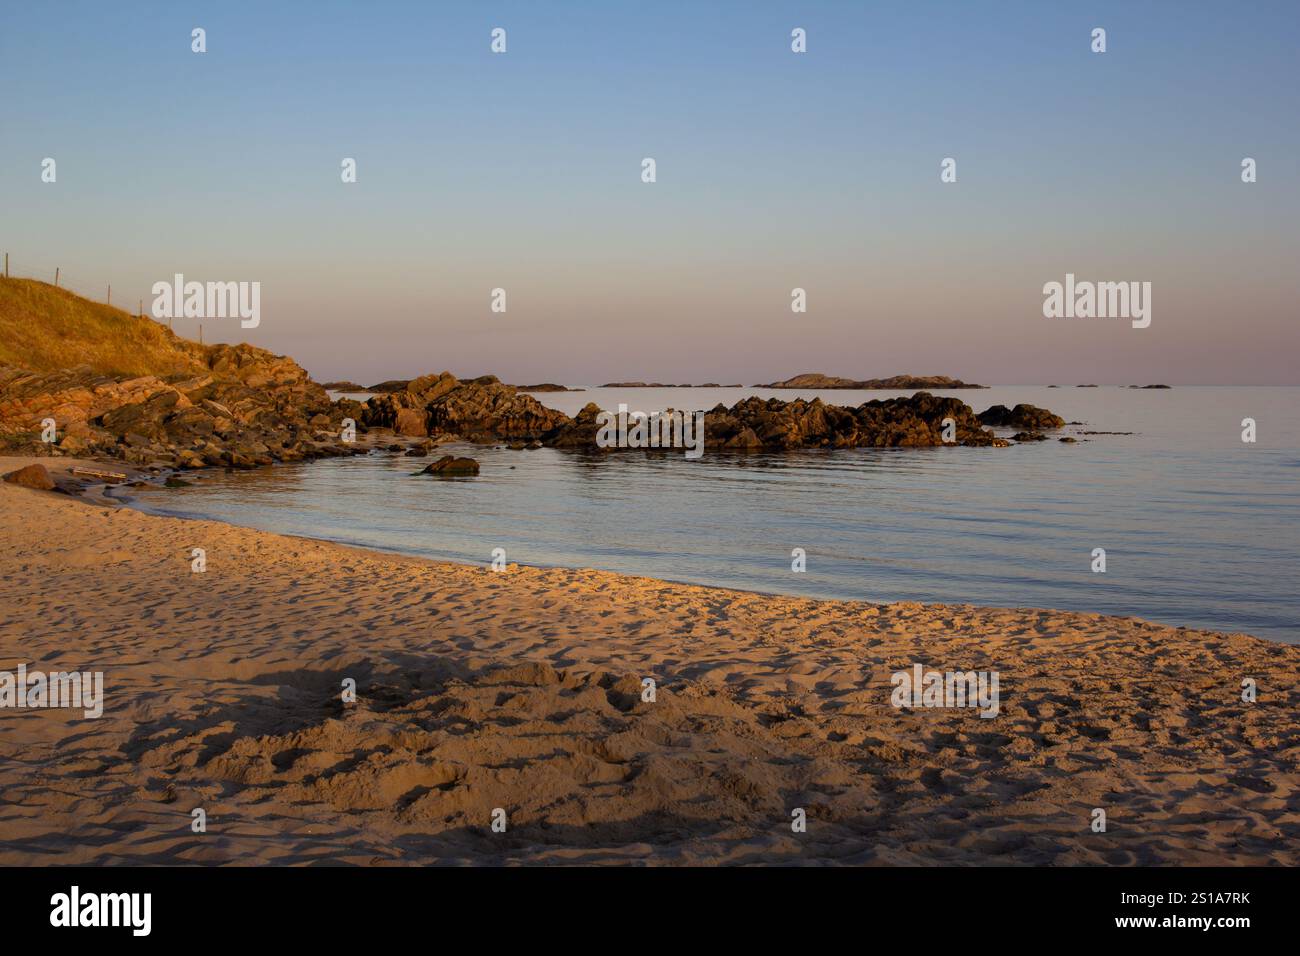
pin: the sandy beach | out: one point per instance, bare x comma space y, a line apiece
522, 690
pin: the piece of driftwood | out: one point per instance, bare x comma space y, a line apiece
96, 473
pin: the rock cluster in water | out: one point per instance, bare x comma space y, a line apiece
253, 408
478, 410
1028, 417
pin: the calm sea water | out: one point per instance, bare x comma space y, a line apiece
1200, 529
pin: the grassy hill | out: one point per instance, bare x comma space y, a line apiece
45, 328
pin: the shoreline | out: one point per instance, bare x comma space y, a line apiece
380, 552
378, 445
522, 690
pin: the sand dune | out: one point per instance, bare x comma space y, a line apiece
522, 690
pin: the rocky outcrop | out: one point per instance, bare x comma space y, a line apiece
1030, 418
915, 421
548, 387
772, 424
411, 422
480, 409
904, 382
579, 432
246, 407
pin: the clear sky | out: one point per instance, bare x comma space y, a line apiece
775, 170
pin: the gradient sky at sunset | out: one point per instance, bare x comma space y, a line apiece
775, 170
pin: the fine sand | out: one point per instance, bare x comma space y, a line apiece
521, 690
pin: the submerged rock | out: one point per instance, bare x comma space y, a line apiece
449, 465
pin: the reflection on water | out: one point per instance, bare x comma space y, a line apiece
1199, 528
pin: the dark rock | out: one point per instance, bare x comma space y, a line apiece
742, 439
449, 465
916, 421
1029, 436
480, 408
1029, 417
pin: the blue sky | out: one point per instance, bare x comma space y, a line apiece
775, 170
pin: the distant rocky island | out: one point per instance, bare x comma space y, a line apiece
344, 387
400, 384
907, 382
392, 385
665, 385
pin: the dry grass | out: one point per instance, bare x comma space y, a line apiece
45, 328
